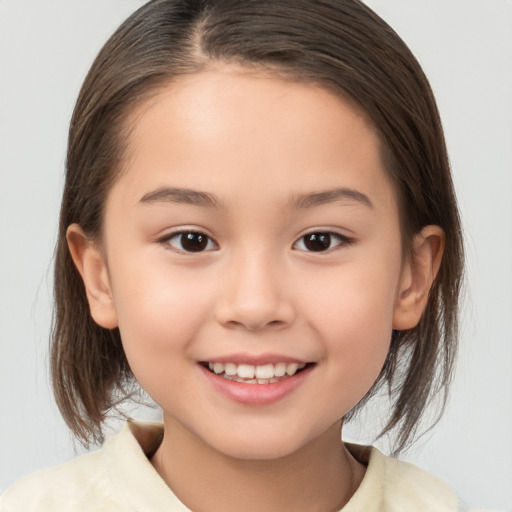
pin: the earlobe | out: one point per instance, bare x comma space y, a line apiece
418, 276
91, 265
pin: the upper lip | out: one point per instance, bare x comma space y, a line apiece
255, 360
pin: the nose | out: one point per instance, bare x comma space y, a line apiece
255, 295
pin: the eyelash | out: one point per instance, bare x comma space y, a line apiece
202, 239
204, 243
324, 239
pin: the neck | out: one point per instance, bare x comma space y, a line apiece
320, 477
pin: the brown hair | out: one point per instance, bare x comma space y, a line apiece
341, 45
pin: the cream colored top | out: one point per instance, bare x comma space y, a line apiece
120, 478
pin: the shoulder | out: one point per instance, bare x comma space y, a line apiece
409, 485
89, 482
391, 485
82, 483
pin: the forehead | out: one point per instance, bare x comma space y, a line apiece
237, 130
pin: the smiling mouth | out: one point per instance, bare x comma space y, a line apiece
251, 374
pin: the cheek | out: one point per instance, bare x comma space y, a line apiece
159, 313
359, 299
353, 316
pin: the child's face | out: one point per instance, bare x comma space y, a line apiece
257, 166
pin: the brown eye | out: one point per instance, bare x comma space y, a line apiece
317, 241
191, 241
320, 241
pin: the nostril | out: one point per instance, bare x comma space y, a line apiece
245, 312
254, 325
273, 324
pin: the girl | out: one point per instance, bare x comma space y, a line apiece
259, 227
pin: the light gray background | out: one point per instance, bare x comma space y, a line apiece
465, 47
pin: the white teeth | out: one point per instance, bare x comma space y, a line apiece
230, 369
218, 367
262, 374
280, 369
265, 372
291, 368
245, 371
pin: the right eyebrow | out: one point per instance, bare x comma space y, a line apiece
180, 196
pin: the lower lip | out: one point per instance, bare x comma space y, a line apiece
256, 394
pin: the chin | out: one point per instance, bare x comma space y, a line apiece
263, 446
259, 451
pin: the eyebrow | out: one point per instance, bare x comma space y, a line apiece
300, 201
180, 196
330, 196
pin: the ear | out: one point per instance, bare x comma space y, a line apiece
417, 277
91, 264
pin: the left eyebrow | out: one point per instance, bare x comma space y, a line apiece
330, 196
181, 195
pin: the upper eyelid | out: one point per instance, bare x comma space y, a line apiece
181, 230
344, 239
187, 229
170, 235
330, 231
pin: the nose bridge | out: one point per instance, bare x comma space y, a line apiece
255, 294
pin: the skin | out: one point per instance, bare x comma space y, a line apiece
255, 143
